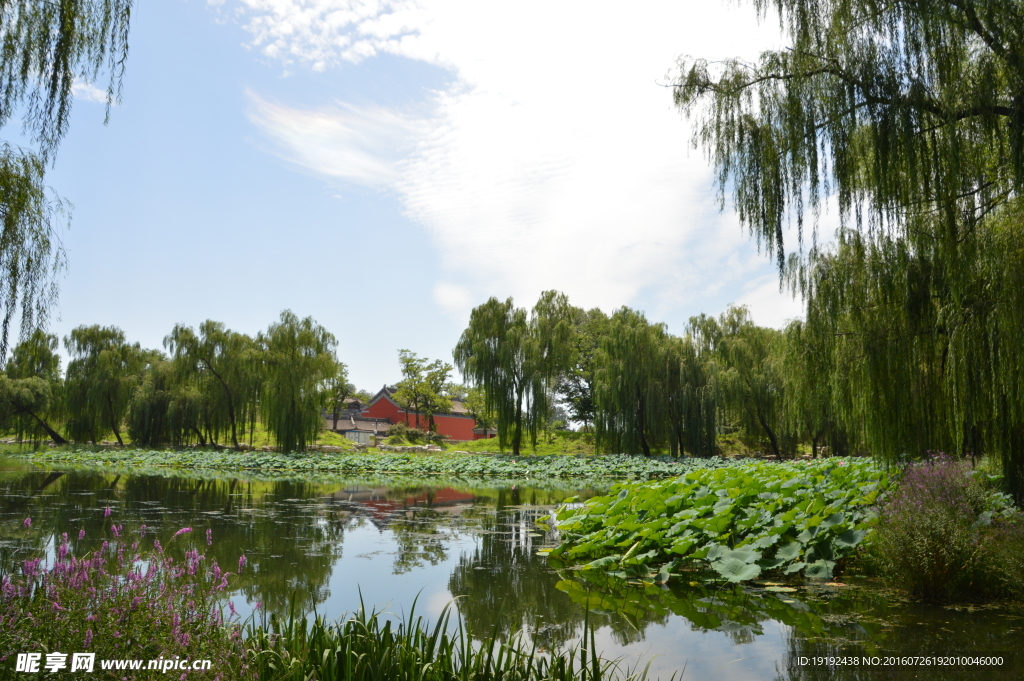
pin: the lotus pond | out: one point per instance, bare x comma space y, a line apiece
324, 538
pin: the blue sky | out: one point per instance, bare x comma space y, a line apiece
386, 166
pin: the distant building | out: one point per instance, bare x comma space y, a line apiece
356, 427
457, 424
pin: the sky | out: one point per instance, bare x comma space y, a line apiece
385, 166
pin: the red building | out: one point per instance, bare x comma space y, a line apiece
455, 425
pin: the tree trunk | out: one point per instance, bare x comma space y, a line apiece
517, 431
54, 435
640, 423
113, 421
771, 436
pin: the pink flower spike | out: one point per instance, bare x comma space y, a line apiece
184, 530
81, 535
209, 537
106, 512
28, 523
242, 560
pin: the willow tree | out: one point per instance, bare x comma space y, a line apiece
39, 410
299, 363
101, 377
911, 115
515, 357
748, 373
630, 398
692, 398
45, 48
225, 366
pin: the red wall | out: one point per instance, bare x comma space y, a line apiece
454, 427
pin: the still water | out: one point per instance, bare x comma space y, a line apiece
326, 543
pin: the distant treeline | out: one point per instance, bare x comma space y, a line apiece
643, 390
878, 367
212, 385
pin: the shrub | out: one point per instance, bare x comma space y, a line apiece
400, 433
119, 603
941, 535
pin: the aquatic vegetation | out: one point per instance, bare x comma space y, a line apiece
740, 521
450, 465
361, 647
943, 535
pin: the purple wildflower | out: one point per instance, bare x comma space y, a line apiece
88, 637
81, 535
184, 530
209, 537
242, 560
106, 512
28, 523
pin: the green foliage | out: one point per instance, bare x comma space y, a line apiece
749, 370
220, 373
46, 47
508, 467
515, 359
360, 647
101, 376
36, 412
425, 387
475, 403
738, 520
399, 433
898, 109
577, 384
942, 535
123, 601
651, 390
300, 364
910, 115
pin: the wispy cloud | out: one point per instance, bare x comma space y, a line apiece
88, 92
358, 144
554, 160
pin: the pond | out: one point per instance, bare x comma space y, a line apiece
329, 543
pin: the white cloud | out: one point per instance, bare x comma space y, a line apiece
359, 144
88, 92
555, 160
770, 306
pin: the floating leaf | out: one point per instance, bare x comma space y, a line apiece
736, 570
821, 569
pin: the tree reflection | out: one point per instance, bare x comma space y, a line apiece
506, 587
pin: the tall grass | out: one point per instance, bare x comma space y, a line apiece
364, 647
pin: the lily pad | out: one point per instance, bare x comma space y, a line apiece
736, 570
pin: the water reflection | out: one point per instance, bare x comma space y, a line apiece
324, 541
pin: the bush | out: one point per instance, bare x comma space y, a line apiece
119, 603
942, 535
400, 433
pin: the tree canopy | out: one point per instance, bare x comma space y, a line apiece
911, 116
515, 358
300, 363
45, 48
